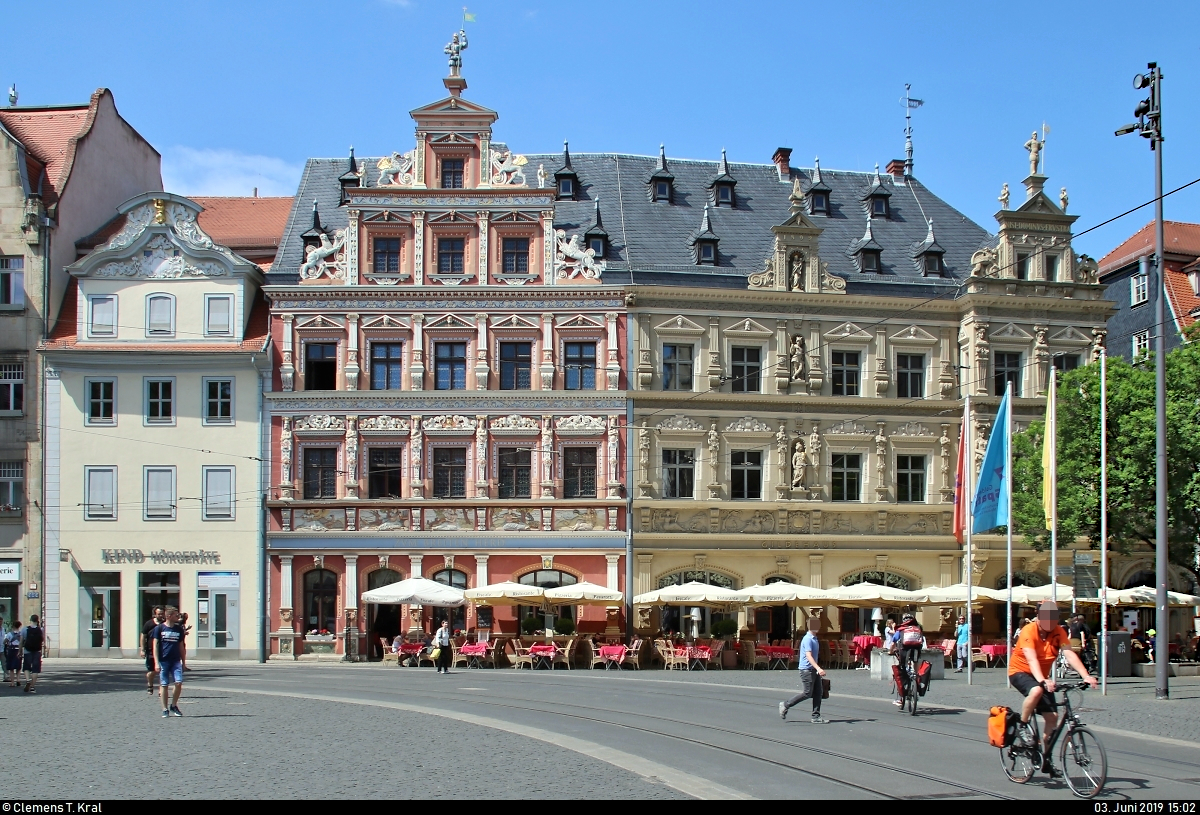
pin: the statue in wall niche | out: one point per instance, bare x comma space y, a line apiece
799, 358
799, 462
1034, 146
814, 446
714, 442
796, 274
781, 442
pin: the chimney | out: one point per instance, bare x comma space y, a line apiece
782, 159
895, 168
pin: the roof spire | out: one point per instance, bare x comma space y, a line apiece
909, 103
599, 223
878, 182
662, 156
316, 217
929, 236
867, 236
705, 231
797, 196
724, 163
566, 154
816, 176
353, 163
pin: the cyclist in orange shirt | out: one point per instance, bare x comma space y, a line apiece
1029, 671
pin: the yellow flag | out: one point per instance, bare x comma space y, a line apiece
1049, 443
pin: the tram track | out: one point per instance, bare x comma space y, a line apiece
534, 706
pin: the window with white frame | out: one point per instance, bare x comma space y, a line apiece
100, 493
678, 471
218, 317
846, 482
218, 401
677, 367
12, 387
12, 281
1139, 289
159, 492
103, 318
745, 474
101, 401
218, 493
12, 485
1141, 344
160, 315
160, 401
910, 479
746, 369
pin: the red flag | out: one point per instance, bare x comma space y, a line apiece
960, 482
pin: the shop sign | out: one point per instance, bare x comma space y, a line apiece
10, 571
219, 580
162, 557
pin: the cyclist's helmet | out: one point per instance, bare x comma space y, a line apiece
908, 617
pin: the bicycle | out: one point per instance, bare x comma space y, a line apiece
909, 692
1081, 756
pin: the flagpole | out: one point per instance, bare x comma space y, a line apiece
1052, 440
1103, 649
968, 459
1009, 524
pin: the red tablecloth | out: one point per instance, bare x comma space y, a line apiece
614, 652
993, 651
694, 652
411, 648
777, 651
863, 643
477, 649
543, 650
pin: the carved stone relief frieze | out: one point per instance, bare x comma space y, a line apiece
514, 519
391, 423
383, 520
680, 422
747, 522
747, 424
914, 523
674, 520
580, 423
444, 519
587, 519
319, 520
319, 422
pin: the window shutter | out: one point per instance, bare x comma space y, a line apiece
218, 315
159, 499
160, 315
218, 493
104, 316
100, 494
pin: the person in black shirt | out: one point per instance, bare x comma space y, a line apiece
147, 646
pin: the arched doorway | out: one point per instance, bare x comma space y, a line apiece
546, 579
320, 602
384, 622
783, 623
457, 616
694, 621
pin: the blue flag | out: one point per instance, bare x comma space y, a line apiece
995, 480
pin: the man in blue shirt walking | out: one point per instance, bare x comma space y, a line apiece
170, 651
810, 674
962, 643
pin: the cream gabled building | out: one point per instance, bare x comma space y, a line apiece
802, 343
153, 437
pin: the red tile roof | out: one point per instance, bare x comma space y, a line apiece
1183, 298
63, 337
50, 134
244, 223
1179, 238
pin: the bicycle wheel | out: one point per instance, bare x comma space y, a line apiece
1083, 761
1018, 763
912, 695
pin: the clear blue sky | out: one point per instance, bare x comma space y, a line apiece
237, 94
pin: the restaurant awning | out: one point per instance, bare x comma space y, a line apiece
1144, 596
584, 594
415, 591
782, 594
507, 593
688, 594
866, 595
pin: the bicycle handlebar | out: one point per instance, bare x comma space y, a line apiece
1060, 686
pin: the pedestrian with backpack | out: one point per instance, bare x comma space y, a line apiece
33, 640
12, 655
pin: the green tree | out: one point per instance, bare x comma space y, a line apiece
1131, 451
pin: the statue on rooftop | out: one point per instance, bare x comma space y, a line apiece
1004, 196
1034, 146
454, 50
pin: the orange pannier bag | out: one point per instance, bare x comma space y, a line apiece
1000, 726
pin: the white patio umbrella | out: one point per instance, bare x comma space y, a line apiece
507, 593
957, 595
689, 594
866, 595
1144, 596
1032, 595
416, 591
584, 594
782, 594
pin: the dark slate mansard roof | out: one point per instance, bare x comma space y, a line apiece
649, 242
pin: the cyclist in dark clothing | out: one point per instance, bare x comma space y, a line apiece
906, 644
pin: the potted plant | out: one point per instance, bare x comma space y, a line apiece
318, 641
531, 625
564, 626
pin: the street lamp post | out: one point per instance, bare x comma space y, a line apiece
1149, 124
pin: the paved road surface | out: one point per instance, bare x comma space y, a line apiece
329, 731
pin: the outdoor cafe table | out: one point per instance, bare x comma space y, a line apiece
863, 644
410, 650
613, 655
543, 655
778, 656
697, 656
994, 652
474, 651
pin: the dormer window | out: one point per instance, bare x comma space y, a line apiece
723, 184
566, 188
879, 207
932, 263
870, 260
706, 252
566, 180
453, 173
704, 242
818, 203
596, 244
724, 195
877, 197
661, 181
596, 238
662, 191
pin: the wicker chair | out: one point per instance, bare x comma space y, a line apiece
718, 648
520, 655
563, 656
634, 653
752, 657
596, 658
670, 661
457, 657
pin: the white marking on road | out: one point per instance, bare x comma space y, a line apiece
688, 784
